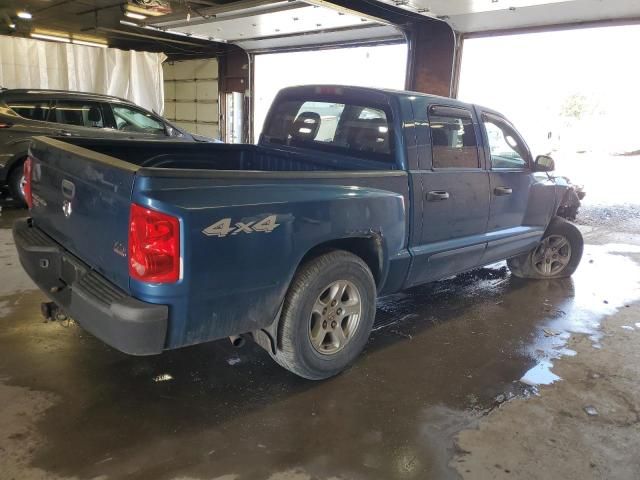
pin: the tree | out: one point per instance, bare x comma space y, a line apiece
575, 106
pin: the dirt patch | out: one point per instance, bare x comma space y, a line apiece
18, 438
587, 426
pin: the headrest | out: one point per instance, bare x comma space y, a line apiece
94, 114
439, 138
305, 126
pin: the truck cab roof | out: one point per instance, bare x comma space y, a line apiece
371, 92
329, 89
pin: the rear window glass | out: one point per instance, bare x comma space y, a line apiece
31, 109
358, 130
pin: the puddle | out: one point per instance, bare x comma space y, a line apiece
440, 356
605, 281
165, 377
541, 374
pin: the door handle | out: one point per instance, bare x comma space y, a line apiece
437, 195
68, 189
500, 191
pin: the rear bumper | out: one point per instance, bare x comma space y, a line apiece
101, 308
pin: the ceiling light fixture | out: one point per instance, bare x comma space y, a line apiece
134, 15
89, 44
55, 38
149, 12
23, 14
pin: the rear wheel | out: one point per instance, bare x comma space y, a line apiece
557, 256
327, 315
16, 182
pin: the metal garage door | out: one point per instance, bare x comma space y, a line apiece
191, 95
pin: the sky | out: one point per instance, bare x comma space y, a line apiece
528, 77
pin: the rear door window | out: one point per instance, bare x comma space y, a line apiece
32, 109
354, 129
453, 138
79, 113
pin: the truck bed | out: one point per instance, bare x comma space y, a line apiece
221, 156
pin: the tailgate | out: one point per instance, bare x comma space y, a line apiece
81, 199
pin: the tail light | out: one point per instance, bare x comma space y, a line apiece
154, 246
27, 169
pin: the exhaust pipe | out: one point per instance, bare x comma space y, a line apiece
237, 340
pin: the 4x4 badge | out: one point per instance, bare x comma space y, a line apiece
223, 227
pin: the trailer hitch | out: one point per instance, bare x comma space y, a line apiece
51, 311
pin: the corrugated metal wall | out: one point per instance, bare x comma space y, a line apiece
191, 95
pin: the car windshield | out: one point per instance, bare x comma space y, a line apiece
130, 119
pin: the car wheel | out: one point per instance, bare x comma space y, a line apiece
17, 182
557, 256
327, 315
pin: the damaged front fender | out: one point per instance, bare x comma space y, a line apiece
570, 199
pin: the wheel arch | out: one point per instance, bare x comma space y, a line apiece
368, 248
15, 162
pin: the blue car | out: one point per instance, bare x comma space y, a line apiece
351, 194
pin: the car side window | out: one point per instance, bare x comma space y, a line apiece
508, 150
79, 113
453, 138
31, 109
129, 119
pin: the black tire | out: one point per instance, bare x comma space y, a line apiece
14, 181
295, 350
529, 264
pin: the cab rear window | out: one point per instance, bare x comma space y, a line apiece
350, 128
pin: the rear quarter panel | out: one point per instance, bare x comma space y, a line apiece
237, 283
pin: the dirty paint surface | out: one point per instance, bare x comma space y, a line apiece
441, 356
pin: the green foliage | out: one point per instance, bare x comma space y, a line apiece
575, 106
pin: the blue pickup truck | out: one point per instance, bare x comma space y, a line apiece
351, 194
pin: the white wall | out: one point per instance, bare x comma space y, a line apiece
191, 95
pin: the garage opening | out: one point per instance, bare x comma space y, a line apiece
571, 93
359, 66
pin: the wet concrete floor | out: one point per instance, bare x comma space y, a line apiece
441, 356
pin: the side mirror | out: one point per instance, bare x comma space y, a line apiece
544, 163
173, 132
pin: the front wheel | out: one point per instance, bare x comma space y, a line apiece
557, 256
327, 315
17, 182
